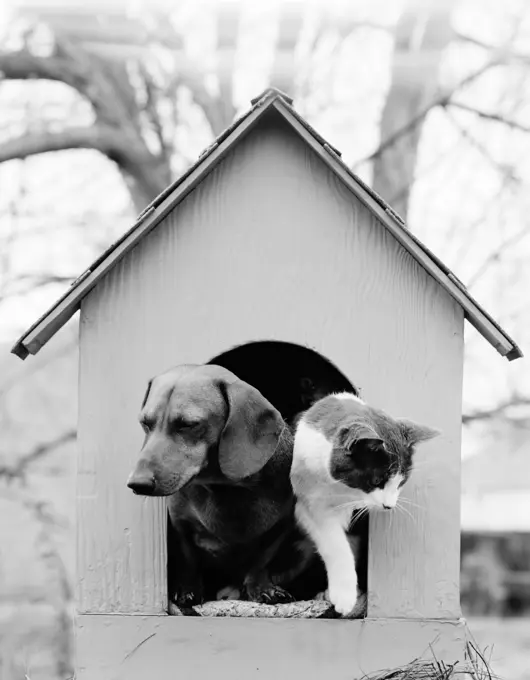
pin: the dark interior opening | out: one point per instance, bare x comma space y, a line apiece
291, 377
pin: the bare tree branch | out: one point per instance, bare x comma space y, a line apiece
190, 78
23, 65
18, 471
506, 171
504, 53
497, 117
151, 110
127, 151
495, 256
117, 133
99, 137
441, 100
31, 284
422, 34
486, 414
57, 354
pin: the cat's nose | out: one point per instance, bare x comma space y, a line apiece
387, 507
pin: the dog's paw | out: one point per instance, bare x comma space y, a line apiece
343, 597
267, 594
228, 593
187, 597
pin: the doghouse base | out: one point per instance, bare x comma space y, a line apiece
138, 647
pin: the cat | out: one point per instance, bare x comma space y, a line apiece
348, 456
311, 390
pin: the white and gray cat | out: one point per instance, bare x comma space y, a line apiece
348, 456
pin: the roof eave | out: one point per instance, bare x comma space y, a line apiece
55, 317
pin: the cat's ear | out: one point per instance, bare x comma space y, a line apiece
349, 437
415, 433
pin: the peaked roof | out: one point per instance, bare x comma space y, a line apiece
271, 100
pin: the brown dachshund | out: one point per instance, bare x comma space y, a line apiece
223, 454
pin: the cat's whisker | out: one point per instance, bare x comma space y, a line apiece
420, 465
362, 512
406, 511
412, 504
355, 505
399, 509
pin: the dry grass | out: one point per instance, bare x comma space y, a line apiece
476, 666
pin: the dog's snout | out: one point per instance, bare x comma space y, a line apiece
142, 484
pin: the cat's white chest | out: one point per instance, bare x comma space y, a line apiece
344, 517
313, 482
342, 502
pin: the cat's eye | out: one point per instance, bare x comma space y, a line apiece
377, 480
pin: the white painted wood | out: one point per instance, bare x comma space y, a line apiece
140, 647
269, 246
121, 546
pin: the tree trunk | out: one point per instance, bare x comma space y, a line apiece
422, 34
145, 180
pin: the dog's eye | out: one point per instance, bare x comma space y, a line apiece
182, 425
147, 424
178, 424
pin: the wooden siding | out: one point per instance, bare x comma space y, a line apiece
270, 246
139, 647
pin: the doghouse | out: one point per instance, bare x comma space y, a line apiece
269, 239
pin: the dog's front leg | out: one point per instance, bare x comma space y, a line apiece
186, 587
258, 585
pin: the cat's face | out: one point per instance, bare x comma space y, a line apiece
374, 454
370, 468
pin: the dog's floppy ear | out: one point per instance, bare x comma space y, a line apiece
146, 394
251, 433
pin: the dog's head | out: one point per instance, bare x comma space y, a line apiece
197, 416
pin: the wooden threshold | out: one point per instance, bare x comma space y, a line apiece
137, 647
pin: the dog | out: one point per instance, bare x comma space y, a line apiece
222, 453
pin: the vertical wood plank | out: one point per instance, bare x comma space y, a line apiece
270, 246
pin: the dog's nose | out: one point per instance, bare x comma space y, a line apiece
143, 485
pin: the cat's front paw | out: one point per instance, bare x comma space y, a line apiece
343, 597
